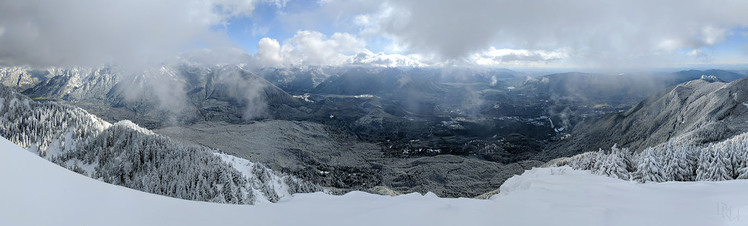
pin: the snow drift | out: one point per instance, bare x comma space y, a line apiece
37, 192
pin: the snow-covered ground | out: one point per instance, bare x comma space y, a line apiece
37, 192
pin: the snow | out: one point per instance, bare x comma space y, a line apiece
304, 97
245, 168
38, 192
364, 96
89, 169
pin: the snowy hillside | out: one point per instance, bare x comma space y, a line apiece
128, 155
542, 196
675, 160
695, 112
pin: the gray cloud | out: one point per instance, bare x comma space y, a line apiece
604, 32
90, 32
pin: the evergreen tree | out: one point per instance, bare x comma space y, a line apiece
719, 168
584, 161
706, 157
649, 169
679, 167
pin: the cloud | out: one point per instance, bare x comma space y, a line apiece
91, 32
311, 47
599, 32
308, 48
268, 52
699, 55
366, 57
315, 48
518, 57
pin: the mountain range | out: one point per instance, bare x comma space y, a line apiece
397, 130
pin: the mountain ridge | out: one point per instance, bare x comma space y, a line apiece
695, 112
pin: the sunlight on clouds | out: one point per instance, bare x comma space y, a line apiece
268, 52
366, 57
309, 48
624, 33
588, 33
518, 57
314, 48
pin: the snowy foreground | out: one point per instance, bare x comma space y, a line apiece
37, 192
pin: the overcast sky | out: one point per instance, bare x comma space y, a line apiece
501, 33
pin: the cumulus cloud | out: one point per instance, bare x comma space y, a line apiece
606, 32
269, 52
311, 47
366, 57
315, 48
308, 48
86, 32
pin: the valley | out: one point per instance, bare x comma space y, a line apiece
457, 133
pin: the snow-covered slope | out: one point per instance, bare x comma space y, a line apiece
674, 160
37, 192
125, 154
695, 112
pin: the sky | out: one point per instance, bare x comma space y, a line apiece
284, 33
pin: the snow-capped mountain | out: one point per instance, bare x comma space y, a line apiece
128, 155
180, 92
692, 113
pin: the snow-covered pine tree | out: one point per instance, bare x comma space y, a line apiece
584, 161
612, 164
649, 168
713, 164
617, 166
600, 159
706, 157
628, 159
719, 168
742, 149
679, 167
735, 157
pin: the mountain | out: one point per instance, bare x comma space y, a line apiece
180, 93
695, 112
128, 155
611, 90
407, 129
296, 80
724, 75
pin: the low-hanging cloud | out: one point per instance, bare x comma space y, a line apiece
495, 56
91, 32
598, 31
